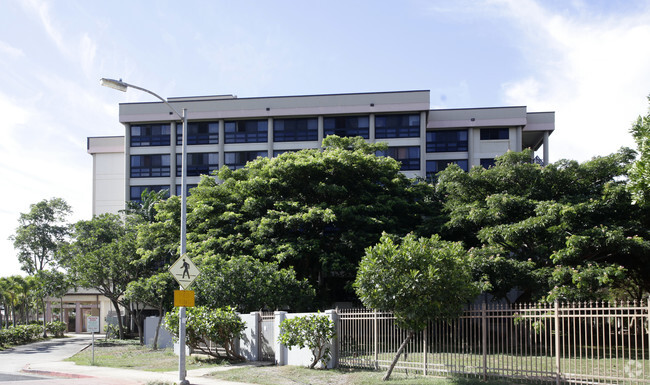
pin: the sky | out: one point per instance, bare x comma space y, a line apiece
589, 61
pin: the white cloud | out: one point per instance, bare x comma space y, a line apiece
9, 50
589, 68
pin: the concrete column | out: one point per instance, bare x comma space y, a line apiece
270, 137
48, 311
423, 144
334, 362
78, 325
222, 139
280, 350
127, 163
172, 159
371, 128
470, 148
518, 144
321, 129
546, 156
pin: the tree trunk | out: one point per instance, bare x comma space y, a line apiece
399, 353
44, 318
155, 337
119, 318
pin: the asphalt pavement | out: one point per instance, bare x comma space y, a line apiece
41, 363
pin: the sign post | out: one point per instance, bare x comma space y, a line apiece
92, 325
185, 272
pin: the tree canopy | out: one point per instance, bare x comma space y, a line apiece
417, 279
312, 210
568, 230
40, 234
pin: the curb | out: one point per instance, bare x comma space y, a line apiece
53, 374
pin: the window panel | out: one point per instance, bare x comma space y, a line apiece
199, 163
149, 166
495, 133
347, 126
447, 141
187, 189
487, 162
397, 126
236, 160
198, 133
435, 166
246, 131
144, 135
409, 156
292, 130
136, 191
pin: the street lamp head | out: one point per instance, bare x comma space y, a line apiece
115, 84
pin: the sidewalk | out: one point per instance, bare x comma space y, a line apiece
70, 373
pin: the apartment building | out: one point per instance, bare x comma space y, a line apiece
229, 131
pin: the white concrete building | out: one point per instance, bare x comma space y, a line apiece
226, 130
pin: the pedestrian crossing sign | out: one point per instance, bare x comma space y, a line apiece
184, 271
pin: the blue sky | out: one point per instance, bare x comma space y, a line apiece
589, 61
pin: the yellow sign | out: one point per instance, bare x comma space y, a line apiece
184, 298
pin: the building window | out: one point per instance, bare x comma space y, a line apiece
435, 166
487, 162
494, 133
198, 163
247, 131
235, 160
198, 133
187, 189
136, 191
293, 130
347, 126
277, 153
143, 135
408, 155
149, 166
397, 126
447, 141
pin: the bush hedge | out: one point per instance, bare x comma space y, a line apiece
20, 334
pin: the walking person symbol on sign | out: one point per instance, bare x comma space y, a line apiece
186, 268
184, 271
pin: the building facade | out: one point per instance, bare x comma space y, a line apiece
229, 131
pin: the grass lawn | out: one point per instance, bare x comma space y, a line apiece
291, 375
130, 355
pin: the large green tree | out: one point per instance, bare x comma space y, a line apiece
640, 172
568, 230
40, 233
247, 284
313, 210
417, 279
101, 256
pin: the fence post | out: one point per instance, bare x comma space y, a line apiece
425, 347
484, 338
375, 337
557, 343
334, 344
280, 350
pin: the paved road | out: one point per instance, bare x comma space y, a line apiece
42, 364
13, 360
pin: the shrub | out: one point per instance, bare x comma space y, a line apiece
57, 328
312, 331
204, 325
20, 335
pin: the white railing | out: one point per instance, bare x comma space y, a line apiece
564, 343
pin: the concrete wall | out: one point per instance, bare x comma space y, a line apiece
164, 337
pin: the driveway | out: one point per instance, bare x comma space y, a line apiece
13, 360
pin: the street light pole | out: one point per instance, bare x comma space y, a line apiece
123, 86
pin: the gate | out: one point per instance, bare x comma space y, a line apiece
267, 336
